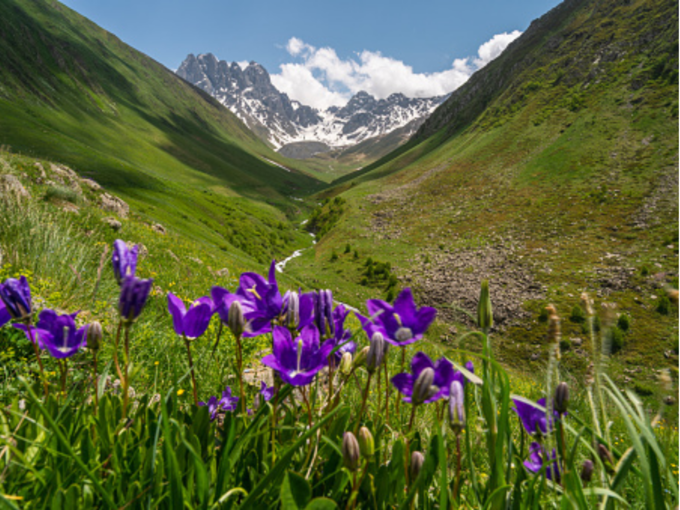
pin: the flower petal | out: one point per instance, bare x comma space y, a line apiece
177, 310
196, 320
420, 362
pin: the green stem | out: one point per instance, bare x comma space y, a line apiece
191, 369
37, 356
363, 403
126, 379
403, 361
456, 487
239, 362
217, 340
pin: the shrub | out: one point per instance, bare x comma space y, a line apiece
543, 316
62, 193
577, 315
348, 248
334, 256
565, 344
643, 390
617, 339
624, 322
663, 306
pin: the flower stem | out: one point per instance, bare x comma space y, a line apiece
403, 361
363, 403
115, 351
37, 356
387, 397
126, 379
95, 378
217, 340
191, 368
456, 487
239, 362
377, 410
64, 370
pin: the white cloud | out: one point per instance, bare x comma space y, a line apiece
494, 47
323, 79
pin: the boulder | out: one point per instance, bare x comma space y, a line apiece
10, 185
113, 223
114, 204
93, 185
157, 227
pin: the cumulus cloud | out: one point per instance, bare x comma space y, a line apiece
322, 79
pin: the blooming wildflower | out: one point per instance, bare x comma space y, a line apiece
298, 360
133, 295
190, 323
180, 393
537, 460
124, 260
226, 403
533, 418
57, 334
213, 407
402, 323
16, 296
266, 392
5, 316
444, 375
342, 335
260, 299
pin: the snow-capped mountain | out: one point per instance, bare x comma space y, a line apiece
249, 93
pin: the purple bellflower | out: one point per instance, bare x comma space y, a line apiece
323, 313
133, 295
260, 299
342, 335
190, 323
267, 392
57, 334
444, 375
5, 316
226, 403
16, 296
533, 418
124, 260
402, 323
538, 459
298, 360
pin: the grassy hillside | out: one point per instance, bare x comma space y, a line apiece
559, 178
72, 93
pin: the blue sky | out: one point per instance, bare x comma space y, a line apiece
363, 39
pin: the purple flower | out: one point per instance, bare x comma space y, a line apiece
341, 336
190, 323
260, 299
213, 407
133, 295
57, 334
5, 316
266, 392
124, 260
226, 403
16, 296
402, 323
533, 418
323, 312
444, 375
537, 460
298, 360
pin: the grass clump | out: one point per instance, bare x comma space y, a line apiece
63, 193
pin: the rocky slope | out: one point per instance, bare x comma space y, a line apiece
279, 120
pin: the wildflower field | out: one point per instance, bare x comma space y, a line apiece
361, 411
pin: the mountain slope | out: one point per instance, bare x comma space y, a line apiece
552, 171
74, 93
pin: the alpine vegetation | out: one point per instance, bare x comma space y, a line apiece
313, 427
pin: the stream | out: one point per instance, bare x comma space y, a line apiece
281, 265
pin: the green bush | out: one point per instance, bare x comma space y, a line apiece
348, 248
577, 315
624, 322
565, 344
334, 256
617, 339
663, 306
62, 193
543, 316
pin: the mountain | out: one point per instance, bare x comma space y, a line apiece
276, 118
552, 171
75, 94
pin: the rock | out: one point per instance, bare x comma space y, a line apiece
197, 260
173, 256
113, 223
69, 207
114, 204
93, 185
576, 342
11, 185
157, 227
64, 172
143, 251
222, 273
535, 356
41, 170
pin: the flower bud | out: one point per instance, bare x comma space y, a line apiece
561, 398
422, 386
346, 363
376, 352
484, 308
456, 407
360, 358
16, 295
133, 295
417, 460
236, 321
366, 443
293, 312
606, 457
351, 454
587, 470
94, 335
